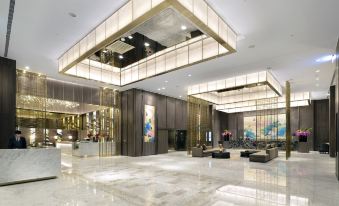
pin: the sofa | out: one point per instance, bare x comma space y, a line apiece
264, 156
199, 152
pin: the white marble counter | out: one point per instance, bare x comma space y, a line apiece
65, 147
86, 149
24, 165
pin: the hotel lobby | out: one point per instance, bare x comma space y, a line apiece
169, 102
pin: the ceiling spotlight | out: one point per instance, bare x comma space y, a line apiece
159, 89
183, 27
166, 81
180, 96
121, 57
130, 37
146, 44
122, 39
163, 88
317, 71
27, 67
317, 78
189, 75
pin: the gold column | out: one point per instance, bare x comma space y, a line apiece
288, 120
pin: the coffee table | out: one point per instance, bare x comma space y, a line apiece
221, 155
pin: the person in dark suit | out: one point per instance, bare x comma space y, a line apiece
17, 141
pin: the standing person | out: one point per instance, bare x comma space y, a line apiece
17, 141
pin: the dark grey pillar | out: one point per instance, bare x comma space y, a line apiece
7, 100
332, 129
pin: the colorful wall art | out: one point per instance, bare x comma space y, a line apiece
266, 127
149, 124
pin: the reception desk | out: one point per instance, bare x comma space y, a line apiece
26, 165
86, 149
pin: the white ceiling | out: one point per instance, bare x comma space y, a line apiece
288, 36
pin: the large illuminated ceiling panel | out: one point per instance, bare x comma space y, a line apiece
297, 100
145, 38
254, 86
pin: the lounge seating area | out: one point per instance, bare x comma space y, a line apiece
203, 152
264, 156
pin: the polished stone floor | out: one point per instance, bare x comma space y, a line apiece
178, 179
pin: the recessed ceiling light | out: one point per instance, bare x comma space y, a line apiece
130, 37
146, 44
166, 81
122, 39
121, 57
183, 27
317, 71
159, 89
27, 67
163, 88
71, 14
317, 85
180, 96
317, 78
189, 75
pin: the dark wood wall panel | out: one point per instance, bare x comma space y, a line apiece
321, 126
171, 114
7, 100
332, 126
161, 111
178, 114
306, 120
162, 141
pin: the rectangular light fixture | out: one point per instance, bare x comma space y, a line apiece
297, 100
219, 39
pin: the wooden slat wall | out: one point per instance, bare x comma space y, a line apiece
7, 100
170, 114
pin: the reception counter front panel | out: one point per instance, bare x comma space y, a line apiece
25, 165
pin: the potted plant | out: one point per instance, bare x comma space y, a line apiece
303, 134
226, 135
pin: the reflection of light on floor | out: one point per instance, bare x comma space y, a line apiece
145, 163
171, 167
108, 176
253, 196
263, 176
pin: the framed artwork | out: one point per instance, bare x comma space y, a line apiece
265, 127
149, 123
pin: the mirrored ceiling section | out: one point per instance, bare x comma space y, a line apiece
148, 38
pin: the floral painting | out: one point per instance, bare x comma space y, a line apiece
149, 124
272, 127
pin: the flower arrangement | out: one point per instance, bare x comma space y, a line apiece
303, 134
226, 135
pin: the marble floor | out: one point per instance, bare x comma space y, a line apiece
178, 179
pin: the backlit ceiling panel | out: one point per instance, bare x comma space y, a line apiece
145, 38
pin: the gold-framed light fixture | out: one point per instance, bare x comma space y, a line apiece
297, 100
254, 86
105, 54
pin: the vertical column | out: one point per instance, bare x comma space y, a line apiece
288, 120
332, 129
7, 100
